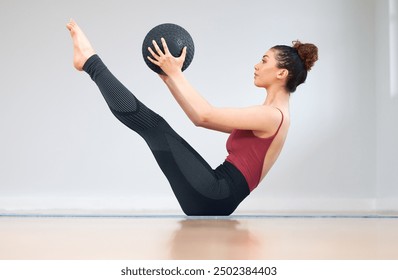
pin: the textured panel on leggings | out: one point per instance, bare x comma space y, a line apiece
118, 97
140, 120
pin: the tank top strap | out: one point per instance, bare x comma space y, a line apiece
281, 121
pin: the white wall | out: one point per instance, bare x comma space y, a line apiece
387, 103
61, 148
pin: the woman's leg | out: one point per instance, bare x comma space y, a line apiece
199, 189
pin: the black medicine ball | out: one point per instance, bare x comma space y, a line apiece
176, 38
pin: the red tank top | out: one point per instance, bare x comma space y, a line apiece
247, 153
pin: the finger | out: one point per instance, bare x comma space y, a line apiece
158, 50
184, 53
153, 61
165, 47
155, 55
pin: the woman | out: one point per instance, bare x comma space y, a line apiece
257, 133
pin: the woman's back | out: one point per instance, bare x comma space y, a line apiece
277, 145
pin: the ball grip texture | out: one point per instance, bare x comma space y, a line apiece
176, 38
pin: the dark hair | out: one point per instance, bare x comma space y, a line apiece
298, 60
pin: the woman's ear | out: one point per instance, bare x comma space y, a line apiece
282, 74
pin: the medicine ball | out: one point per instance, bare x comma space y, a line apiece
176, 38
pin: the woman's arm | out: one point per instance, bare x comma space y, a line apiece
202, 113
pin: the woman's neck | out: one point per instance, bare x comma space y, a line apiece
277, 97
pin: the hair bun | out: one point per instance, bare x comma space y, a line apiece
307, 52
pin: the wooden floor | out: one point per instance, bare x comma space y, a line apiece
179, 237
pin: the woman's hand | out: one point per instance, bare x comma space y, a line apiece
165, 60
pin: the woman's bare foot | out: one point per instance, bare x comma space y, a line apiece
82, 49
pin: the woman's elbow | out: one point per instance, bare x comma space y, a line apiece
202, 119
199, 122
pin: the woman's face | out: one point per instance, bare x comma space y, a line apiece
266, 71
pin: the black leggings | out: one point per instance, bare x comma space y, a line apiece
199, 189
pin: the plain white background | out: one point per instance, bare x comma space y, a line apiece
61, 148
